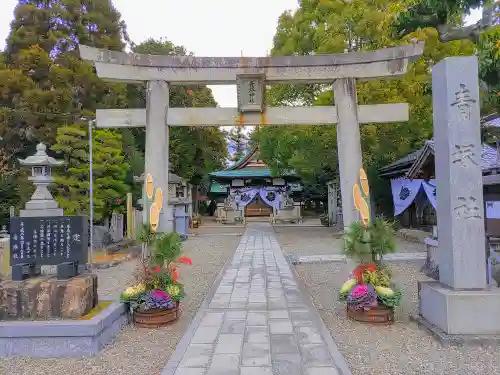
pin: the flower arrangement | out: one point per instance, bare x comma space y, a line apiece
369, 286
158, 286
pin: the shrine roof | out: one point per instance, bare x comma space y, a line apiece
412, 163
249, 165
261, 172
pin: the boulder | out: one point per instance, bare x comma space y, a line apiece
46, 297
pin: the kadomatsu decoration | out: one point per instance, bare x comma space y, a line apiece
154, 300
369, 293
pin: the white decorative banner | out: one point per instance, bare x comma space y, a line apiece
404, 192
493, 209
430, 190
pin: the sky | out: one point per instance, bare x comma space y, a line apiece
206, 28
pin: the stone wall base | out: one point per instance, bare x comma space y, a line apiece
460, 312
46, 297
63, 338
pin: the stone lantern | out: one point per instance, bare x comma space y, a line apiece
42, 203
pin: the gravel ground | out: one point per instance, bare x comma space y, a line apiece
299, 241
140, 351
401, 349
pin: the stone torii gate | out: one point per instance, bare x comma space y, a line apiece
251, 75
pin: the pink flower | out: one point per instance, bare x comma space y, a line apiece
359, 290
160, 294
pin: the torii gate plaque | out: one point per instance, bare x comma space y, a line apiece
251, 74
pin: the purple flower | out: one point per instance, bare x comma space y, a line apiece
158, 299
362, 296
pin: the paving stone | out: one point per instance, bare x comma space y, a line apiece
278, 314
212, 319
224, 289
236, 315
286, 364
257, 298
224, 364
257, 334
322, 371
256, 370
229, 343
301, 318
256, 354
256, 306
237, 305
190, 371
284, 344
197, 355
315, 355
283, 326
308, 335
233, 326
257, 318
277, 303
261, 323
205, 335
218, 305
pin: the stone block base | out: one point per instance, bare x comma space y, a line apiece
62, 338
460, 312
44, 298
447, 340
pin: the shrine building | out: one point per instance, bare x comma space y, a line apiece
413, 186
251, 179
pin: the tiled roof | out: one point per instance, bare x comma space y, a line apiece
489, 156
260, 172
408, 159
410, 164
491, 121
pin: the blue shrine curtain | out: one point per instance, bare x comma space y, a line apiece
404, 192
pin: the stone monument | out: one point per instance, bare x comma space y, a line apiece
41, 203
42, 236
460, 303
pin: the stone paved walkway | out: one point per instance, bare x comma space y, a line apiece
257, 320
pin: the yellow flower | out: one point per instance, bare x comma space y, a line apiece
140, 287
130, 291
348, 285
173, 290
383, 291
134, 290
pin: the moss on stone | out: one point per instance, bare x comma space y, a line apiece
96, 310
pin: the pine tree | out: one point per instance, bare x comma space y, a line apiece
43, 82
238, 142
109, 171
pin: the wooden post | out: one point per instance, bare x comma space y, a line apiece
130, 213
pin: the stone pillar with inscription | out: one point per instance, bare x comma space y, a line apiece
461, 293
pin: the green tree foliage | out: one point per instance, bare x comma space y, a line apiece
420, 14
43, 83
447, 16
337, 26
109, 171
194, 151
239, 142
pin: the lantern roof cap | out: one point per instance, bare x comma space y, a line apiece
41, 158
